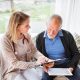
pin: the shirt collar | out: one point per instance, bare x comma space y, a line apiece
59, 33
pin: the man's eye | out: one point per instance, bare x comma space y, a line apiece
27, 26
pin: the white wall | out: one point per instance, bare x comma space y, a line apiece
70, 12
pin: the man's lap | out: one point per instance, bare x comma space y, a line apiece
76, 76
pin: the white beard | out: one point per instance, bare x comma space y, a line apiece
51, 37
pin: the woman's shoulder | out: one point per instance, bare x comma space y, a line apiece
5, 39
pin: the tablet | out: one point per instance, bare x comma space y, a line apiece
59, 72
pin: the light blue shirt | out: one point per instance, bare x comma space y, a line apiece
54, 48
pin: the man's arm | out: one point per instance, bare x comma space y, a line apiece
38, 43
74, 50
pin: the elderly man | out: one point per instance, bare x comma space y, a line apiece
56, 43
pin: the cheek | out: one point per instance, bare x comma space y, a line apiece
23, 29
53, 30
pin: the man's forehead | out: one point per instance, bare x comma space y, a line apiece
54, 20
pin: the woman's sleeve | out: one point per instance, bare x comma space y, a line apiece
36, 53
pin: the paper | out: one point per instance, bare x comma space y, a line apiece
51, 61
59, 72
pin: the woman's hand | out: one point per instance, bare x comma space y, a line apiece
41, 60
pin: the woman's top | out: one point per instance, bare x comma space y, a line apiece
18, 56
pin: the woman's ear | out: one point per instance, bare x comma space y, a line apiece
18, 28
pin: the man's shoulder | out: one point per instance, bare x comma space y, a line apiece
65, 32
41, 34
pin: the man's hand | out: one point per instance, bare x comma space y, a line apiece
71, 69
46, 66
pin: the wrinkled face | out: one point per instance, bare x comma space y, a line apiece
54, 27
24, 27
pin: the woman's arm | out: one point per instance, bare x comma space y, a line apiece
9, 55
34, 50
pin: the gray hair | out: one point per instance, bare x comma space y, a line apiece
58, 17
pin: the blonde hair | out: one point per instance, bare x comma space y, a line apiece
16, 19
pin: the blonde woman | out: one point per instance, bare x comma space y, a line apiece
18, 50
